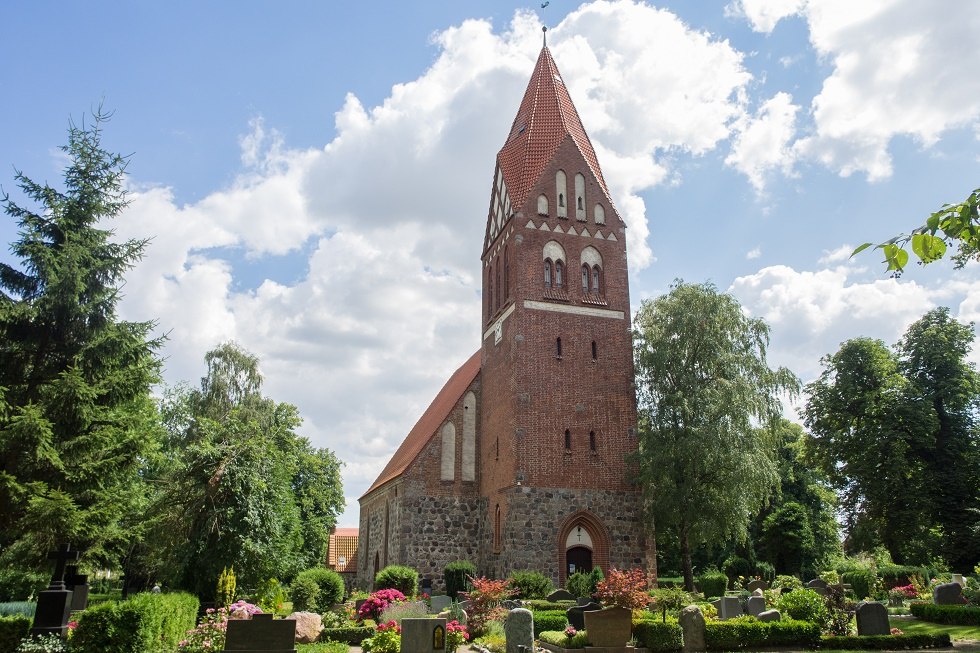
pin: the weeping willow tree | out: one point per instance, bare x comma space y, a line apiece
709, 415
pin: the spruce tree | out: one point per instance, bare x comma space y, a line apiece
76, 416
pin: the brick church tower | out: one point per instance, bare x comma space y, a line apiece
520, 460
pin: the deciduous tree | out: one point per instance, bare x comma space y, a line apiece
704, 387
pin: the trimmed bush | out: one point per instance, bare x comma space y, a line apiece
953, 615
146, 623
579, 584
549, 620
884, 642
541, 605
457, 575
398, 577
13, 629
897, 575
305, 594
748, 632
659, 636
559, 639
860, 580
352, 635
803, 605
330, 587
712, 583
531, 584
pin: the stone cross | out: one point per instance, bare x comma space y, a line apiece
61, 558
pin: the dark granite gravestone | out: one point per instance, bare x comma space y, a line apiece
261, 634
576, 616
78, 584
947, 594
54, 603
561, 595
757, 584
819, 585
872, 618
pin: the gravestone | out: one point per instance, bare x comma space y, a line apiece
423, 635
583, 600
78, 584
755, 605
609, 627
54, 604
561, 595
519, 630
261, 634
958, 579
728, 607
819, 586
427, 586
576, 616
947, 594
757, 584
511, 604
692, 622
769, 615
439, 603
872, 618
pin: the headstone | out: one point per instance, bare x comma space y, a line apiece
755, 605
729, 607
423, 635
309, 625
465, 605
819, 586
872, 618
519, 630
439, 603
692, 622
261, 634
576, 616
947, 594
427, 586
78, 584
510, 604
583, 600
769, 615
54, 604
959, 580
561, 595
758, 592
609, 627
757, 584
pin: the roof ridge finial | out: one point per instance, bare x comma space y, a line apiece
544, 36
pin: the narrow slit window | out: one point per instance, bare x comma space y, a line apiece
595, 351
592, 441
568, 440
558, 274
547, 274
585, 278
558, 347
595, 279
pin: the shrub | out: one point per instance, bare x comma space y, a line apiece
885, 642
735, 566
387, 639
803, 605
669, 599
559, 638
954, 615
377, 602
595, 577
457, 574
21, 584
305, 594
225, 591
395, 612
787, 582
352, 635
712, 583
151, 623
398, 577
540, 605
13, 629
329, 584
893, 575
549, 620
531, 584
765, 571
748, 632
579, 584
485, 598
659, 635
862, 581
49, 643
627, 589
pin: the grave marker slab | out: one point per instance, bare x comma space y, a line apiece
872, 618
261, 634
423, 635
609, 627
755, 605
439, 603
769, 615
758, 585
561, 595
576, 614
692, 622
947, 594
729, 607
519, 630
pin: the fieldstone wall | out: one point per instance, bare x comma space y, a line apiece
435, 530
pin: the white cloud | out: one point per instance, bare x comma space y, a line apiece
764, 14
753, 253
838, 255
762, 141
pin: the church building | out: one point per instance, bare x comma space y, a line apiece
520, 462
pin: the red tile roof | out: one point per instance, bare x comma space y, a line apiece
343, 543
431, 419
545, 118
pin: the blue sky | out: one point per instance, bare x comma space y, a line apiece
316, 176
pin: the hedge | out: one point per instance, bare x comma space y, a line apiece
352, 635
531, 584
659, 636
543, 605
742, 633
895, 575
13, 629
457, 574
559, 639
146, 623
860, 580
712, 583
954, 615
549, 620
398, 577
884, 642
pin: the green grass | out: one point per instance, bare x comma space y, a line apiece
955, 632
323, 647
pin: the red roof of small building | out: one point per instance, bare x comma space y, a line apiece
343, 544
545, 118
431, 419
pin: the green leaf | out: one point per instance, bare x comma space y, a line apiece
895, 257
860, 248
928, 248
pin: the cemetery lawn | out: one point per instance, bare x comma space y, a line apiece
323, 647
918, 627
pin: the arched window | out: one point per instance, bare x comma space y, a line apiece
599, 214
585, 278
496, 529
595, 351
490, 291
560, 191
558, 347
568, 440
547, 273
561, 200
592, 441
497, 298
591, 270
558, 274
506, 275
595, 278
542, 205
579, 197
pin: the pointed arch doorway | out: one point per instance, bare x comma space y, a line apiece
583, 543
